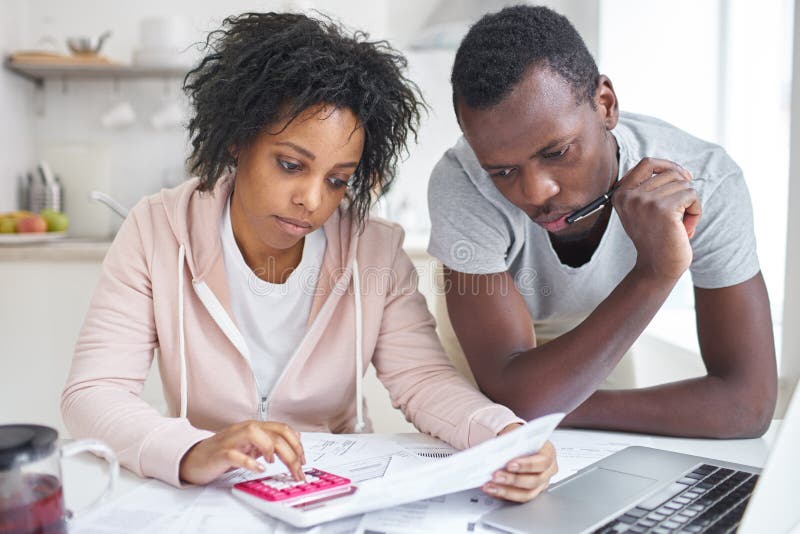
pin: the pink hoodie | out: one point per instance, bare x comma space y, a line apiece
163, 286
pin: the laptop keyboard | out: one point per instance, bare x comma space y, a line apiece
708, 499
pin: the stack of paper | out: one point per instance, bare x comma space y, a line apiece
397, 460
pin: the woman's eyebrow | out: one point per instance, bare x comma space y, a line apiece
307, 153
310, 155
353, 164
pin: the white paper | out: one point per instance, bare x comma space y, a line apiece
458, 512
394, 469
217, 511
151, 507
578, 449
357, 457
453, 513
465, 470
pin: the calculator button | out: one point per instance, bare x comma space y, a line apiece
284, 487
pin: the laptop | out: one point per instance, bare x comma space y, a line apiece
640, 489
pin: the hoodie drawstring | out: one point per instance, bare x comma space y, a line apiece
181, 335
359, 360
360, 424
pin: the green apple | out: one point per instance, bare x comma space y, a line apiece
56, 221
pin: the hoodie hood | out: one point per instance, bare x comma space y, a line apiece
194, 217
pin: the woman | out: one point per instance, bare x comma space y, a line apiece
262, 282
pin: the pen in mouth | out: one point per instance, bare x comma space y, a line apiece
591, 207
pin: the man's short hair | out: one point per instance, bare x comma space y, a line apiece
501, 47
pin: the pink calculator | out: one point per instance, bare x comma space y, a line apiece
319, 485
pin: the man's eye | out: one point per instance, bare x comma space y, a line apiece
557, 154
504, 173
288, 165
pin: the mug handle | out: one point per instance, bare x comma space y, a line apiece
105, 452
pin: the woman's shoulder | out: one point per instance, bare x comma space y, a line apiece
382, 249
382, 237
381, 228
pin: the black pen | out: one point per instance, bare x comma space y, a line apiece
592, 207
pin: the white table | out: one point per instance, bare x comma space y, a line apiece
84, 476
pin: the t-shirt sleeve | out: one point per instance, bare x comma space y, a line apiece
724, 245
468, 233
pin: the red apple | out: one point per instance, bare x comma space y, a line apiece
32, 224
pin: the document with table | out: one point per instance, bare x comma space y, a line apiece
385, 466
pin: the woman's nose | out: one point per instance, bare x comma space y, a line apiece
309, 195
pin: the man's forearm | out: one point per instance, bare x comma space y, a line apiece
562, 374
707, 407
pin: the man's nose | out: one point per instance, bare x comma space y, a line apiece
538, 188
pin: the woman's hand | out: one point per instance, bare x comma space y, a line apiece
238, 446
525, 477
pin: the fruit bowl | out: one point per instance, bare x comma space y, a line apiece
19, 227
23, 239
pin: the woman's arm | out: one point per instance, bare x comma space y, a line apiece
422, 382
112, 359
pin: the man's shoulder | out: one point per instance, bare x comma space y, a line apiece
644, 136
457, 162
458, 179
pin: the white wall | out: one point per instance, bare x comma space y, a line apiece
790, 364
727, 80
16, 107
144, 159
89, 17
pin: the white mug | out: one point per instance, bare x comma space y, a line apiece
168, 116
118, 115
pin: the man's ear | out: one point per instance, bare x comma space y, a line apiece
233, 150
605, 101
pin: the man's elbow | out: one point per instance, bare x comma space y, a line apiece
525, 402
759, 417
751, 413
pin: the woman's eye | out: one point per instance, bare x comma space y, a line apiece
504, 173
337, 183
557, 154
288, 165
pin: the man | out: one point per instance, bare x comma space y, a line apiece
543, 137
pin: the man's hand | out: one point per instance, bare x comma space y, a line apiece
238, 446
659, 209
525, 477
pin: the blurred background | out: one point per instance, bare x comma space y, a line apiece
719, 69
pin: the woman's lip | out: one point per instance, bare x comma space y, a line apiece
554, 226
293, 226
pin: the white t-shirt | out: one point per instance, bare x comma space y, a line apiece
271, 317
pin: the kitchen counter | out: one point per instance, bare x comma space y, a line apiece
94, 249
69, 249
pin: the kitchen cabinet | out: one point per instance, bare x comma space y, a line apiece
45, 294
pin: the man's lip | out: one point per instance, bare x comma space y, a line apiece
553, 224
550, 218
296, 222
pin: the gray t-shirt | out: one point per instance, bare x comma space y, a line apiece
476, 230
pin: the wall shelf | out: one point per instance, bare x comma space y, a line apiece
38, 73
